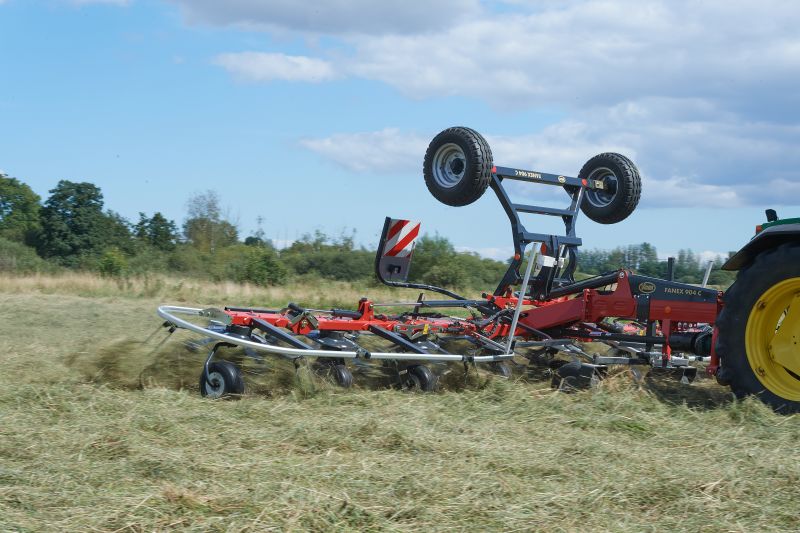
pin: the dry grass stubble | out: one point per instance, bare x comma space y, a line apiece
96, 453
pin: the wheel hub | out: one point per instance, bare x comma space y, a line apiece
604, 197
785, 344
772, 339
215, 385
449, 164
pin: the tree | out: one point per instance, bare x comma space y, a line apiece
157, 231
205, 227
74, 225
19, 211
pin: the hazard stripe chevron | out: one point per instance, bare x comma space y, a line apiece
396, 226
400, 238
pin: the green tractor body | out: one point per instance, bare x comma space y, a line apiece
769, 236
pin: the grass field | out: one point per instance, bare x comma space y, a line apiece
99, 432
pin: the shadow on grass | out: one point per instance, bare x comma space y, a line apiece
703, 394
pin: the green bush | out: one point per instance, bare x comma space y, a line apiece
148, 259
17, 258
331, 263
320, 255
187, 259
112, 263
253, 264
452, 275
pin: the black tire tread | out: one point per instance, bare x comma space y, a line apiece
342, 376
478, 150
629, 188
426, 377
234, 384
751, 282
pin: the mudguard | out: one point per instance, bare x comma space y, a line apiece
776, 234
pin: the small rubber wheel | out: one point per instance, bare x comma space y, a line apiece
458, 166
570, 377
622, 188
224, 378
759, 330
342, 375
420, 377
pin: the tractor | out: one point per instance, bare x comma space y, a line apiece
758, 330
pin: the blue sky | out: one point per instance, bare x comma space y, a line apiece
317, 116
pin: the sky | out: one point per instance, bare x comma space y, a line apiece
309, 116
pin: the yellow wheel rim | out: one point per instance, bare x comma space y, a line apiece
772, 339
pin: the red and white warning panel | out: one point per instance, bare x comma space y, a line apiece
396, 249
401, 237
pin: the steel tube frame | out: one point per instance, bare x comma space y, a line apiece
526, 278
168, 312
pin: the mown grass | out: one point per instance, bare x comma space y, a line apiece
88, 444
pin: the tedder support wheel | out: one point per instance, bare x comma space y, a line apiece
759, 330
420, 377
342, 376
458, 166
575, 375
622, 188
224, 378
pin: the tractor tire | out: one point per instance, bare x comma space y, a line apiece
623, 188
759, 356
224, 379
458, 166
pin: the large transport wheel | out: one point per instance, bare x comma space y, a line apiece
458, 166
224, 378
759, 330
622, 188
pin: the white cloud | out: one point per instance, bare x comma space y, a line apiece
573, 54
597, 52
264, 67
711, 163
387, 150
332, 17
701, 94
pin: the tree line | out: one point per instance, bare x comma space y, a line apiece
72, 229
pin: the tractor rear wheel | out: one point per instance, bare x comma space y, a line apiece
458, 166
759, 330
622, 188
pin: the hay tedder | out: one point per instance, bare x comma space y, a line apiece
750, 337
